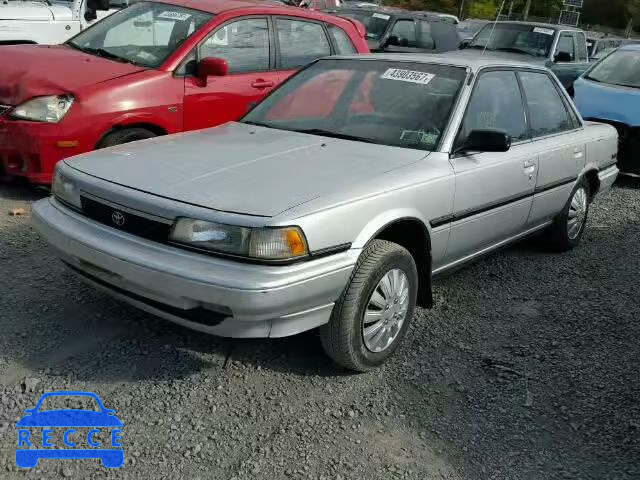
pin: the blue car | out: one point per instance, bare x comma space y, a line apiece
67, 420
609, 92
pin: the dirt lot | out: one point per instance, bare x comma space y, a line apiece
528, 368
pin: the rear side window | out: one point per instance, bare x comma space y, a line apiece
425, 37
341, 40
496, 103
548, 112
243, 44
405, 32
581, 47
300, 42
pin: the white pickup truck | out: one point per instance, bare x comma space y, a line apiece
50, 22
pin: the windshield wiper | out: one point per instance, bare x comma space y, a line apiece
476, 46
514, 50
327, 133
257, 124
588, 77
101, 52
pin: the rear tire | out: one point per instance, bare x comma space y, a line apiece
384, 286
568, 227
125, 135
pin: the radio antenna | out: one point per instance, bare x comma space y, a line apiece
493, 26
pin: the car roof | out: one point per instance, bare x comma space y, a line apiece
472, 63
394, 12
219, 6
631, 46
540, 24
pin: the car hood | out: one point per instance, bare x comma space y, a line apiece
607, 102
520, 57
243, 169
69, 418
25, 11
24, 74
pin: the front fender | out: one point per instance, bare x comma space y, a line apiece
384, 219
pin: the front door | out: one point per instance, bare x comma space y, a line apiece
493, 190
245, 45
402, 37
572, 45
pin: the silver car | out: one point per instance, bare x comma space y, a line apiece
335, 201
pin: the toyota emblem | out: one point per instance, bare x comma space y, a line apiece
118, 218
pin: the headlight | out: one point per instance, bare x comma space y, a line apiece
65, 190
49, 109
280, 243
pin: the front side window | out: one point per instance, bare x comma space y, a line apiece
548, 113
375, 23
244, 44
566, 45
300, 42
144, 34
622, 67
400, 104
496, 103
518, 38
425, 40
405, 32
341, 40
581, 47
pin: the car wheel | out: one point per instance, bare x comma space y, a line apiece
125, 135
568, 227
371, 317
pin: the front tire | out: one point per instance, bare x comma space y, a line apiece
125, 135
568, 227
371, 317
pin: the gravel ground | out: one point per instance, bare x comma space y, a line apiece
528, 368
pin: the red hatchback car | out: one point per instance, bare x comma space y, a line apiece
153, 69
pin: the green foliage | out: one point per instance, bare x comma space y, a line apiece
482, 9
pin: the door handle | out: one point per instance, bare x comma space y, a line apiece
529, 164
262, 83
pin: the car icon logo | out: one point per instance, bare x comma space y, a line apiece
118, 218
69, 433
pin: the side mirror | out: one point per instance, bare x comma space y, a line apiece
211, 67
562, 57
90, 15
392, 41
464, 44
486, 140
98, 5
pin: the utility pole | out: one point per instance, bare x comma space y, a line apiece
461, 10
527, 6
510, 10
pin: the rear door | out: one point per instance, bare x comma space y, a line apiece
493, 189
298, 42
554, 127
246, 45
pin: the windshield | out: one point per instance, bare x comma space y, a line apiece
622, 67
527, 39
63, 402
144, 34
375, 23
400, 104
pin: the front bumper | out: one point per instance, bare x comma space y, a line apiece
30, 150
244, 300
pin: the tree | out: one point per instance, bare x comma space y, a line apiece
632, 15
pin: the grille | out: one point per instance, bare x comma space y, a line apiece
125, 221
4, 109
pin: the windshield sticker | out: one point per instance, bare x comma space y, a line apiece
420, 137
407, 76
546, 31
381, 15
181, 17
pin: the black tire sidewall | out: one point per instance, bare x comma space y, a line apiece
127, 135
396, 259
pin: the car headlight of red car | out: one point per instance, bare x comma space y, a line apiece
50, 109
263, 243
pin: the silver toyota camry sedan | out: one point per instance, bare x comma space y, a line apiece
335, 201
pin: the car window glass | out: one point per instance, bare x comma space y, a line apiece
243, 44
581, 47
405, 32
547, 111
622, 67
63, 402
496, 103
566, 44
300, 42
341, 40
425, 40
